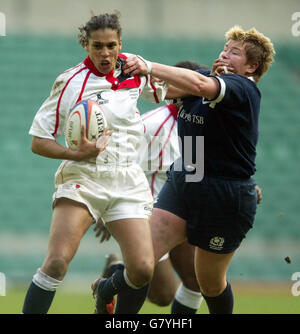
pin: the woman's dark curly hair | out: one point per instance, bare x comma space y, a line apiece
96, 22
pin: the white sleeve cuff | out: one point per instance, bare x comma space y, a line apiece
219, 98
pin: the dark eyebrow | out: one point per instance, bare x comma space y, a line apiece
98, 44
236, 48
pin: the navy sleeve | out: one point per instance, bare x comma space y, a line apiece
234, 90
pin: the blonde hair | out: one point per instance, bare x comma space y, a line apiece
258, 48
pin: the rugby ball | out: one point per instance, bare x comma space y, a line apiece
89, 114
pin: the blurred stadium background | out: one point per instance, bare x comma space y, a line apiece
41, 42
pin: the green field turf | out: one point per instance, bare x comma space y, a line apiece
263, 299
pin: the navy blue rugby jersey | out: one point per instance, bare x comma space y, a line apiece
229, 124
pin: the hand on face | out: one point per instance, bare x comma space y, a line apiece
221, 67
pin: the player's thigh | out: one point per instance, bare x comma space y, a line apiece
211, 269
168, 231
134, 238
163, 284
70, 221
182, 258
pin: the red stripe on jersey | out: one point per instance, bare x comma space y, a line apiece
154, 93
59, 100
72, 68
83, 86
129, 83
121, 55
162, 150
114, 81
115, 85
173, 110
160, 127
90, 65
161, 158
152, 113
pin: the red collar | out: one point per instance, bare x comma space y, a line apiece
173, 110
90, 65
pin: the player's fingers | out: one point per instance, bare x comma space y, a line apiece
130, 65
104, 139
259, 197
83, 134
103, 238
107, 132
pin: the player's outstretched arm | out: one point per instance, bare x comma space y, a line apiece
193, 83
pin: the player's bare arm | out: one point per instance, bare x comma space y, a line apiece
189, 81
174, 92
86, 150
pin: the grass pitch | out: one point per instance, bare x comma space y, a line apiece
250, 298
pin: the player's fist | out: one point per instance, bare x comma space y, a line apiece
135, 65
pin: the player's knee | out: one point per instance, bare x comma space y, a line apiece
191, 283
161, 298
56, 267
211, 290
141, 273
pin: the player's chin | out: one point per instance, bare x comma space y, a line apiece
105, 68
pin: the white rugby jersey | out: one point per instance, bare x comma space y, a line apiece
115, 92
162, 148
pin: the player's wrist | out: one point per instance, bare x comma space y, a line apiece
148, 64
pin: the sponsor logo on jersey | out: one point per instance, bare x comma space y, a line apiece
148, 208
101, 99
216, 243
70, 186
196, 119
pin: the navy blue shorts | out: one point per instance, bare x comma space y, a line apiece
219, 211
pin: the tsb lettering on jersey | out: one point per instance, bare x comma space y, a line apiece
196, 119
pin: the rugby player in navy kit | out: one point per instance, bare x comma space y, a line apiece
213, 210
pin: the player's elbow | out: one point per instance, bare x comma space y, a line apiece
205, 87
35, 145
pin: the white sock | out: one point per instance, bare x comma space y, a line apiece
45, 282
128, 282
187, 297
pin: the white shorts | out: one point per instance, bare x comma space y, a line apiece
110, 193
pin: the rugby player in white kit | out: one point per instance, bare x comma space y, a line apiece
89, 185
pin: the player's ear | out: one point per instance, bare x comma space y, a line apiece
86, 47
253, 67
120, 44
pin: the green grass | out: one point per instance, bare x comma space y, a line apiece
267, 299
